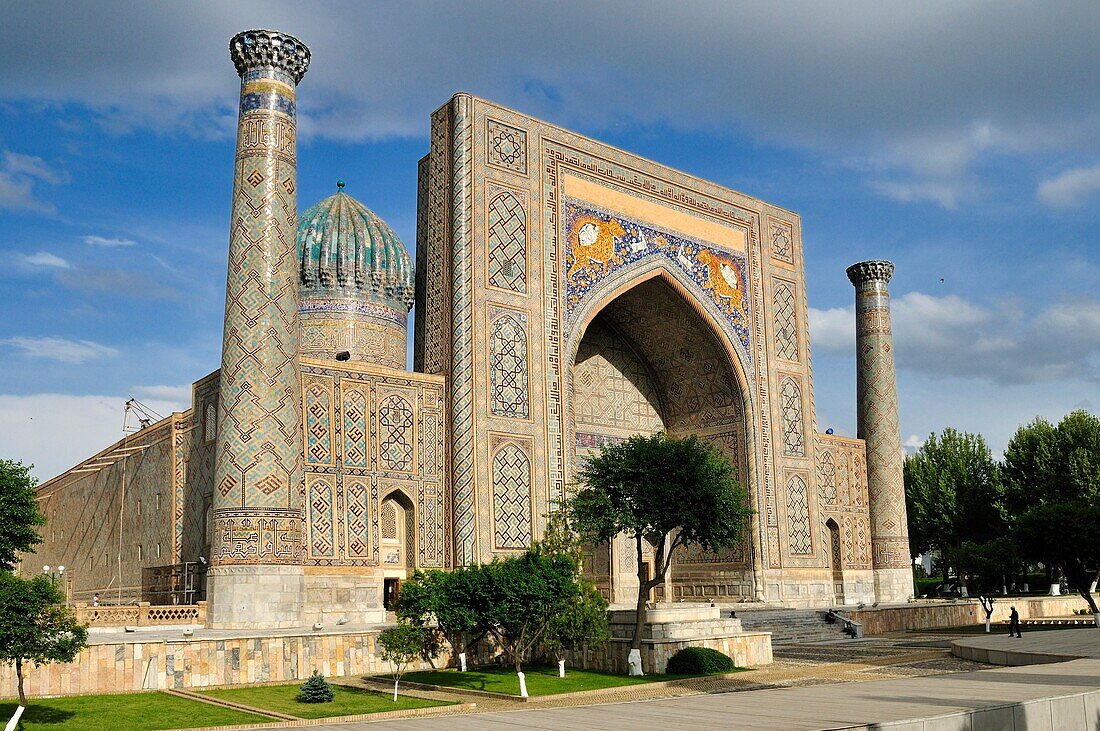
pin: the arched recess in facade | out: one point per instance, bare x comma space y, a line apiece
397, 532
648, 357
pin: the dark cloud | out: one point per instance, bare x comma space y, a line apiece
914, 93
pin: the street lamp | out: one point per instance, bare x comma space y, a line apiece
56, 575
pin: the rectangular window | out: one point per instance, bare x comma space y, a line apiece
139, 552
158, 550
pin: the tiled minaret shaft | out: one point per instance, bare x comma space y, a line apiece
256, 577
877, 424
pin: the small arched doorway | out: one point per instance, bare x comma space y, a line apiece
647, 362
836, 560
397, 543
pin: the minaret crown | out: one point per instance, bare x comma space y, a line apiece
258, 48
870, 271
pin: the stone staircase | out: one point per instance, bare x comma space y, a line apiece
791, 626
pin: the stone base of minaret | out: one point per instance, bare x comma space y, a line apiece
893, 586
255, 597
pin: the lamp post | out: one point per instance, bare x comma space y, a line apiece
56, 575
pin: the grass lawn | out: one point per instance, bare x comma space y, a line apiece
348, 701
130, 711
541, 679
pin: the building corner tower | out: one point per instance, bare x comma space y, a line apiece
256, 574
877, 425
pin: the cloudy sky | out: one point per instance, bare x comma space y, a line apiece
959, 139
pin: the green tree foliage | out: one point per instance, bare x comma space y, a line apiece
36, 625
19, 514
401, 645
316, 690
1054, 477
582, 622
953, 494
666, 491
523, 595
447, 604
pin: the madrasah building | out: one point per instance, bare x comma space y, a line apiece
567, 295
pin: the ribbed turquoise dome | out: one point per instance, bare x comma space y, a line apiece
345, 250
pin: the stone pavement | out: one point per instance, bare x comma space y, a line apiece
1034, 647
817, 686
846, 705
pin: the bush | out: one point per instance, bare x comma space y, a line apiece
316, 690
699, 661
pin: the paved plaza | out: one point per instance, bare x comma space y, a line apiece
1014, 698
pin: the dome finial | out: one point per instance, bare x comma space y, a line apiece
339, 184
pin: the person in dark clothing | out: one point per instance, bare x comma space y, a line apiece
1014, 623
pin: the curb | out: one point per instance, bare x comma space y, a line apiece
304, 722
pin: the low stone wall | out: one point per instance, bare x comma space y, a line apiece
748, 650
201, 663
142, 614
935, 615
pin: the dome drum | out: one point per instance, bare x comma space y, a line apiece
356, 283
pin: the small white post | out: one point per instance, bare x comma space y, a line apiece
634, 661
987, 624
14, 719
1055, 589
462, 661
522, 684
1096, 618
561, 668
395, 690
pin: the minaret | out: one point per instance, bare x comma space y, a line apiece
256, 576
877, 425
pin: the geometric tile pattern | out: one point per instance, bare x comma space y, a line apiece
612, 388
395, 437
826, 477
786, 324
259, 443
432, 541
321, 530
507, 242
782, 238
798, 515
512, 497
355, 428
318, 424
507, 146
877, 412
210, 419
388, 520
358, 511
790, 413
508, 367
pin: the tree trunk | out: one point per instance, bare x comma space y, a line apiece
1088, 597
19, 675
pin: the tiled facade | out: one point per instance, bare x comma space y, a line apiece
568, 295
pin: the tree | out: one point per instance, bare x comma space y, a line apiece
19, 514
523, 595
953, 494
444, 603
583, 621
401, 645
662, 490
316, 690
1058, 469
36, 625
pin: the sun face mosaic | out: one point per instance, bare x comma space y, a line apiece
600, 243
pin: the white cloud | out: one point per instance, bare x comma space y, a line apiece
19, 175
179, 396
43, 259
1071, 188
951, 336
56, 431
833, 330
59, 349
923, 90
945, 193
108, 242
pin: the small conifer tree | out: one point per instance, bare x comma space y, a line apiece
316, 690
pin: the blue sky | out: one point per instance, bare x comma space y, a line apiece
959, 139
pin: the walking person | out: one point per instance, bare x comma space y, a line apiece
1014, 623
